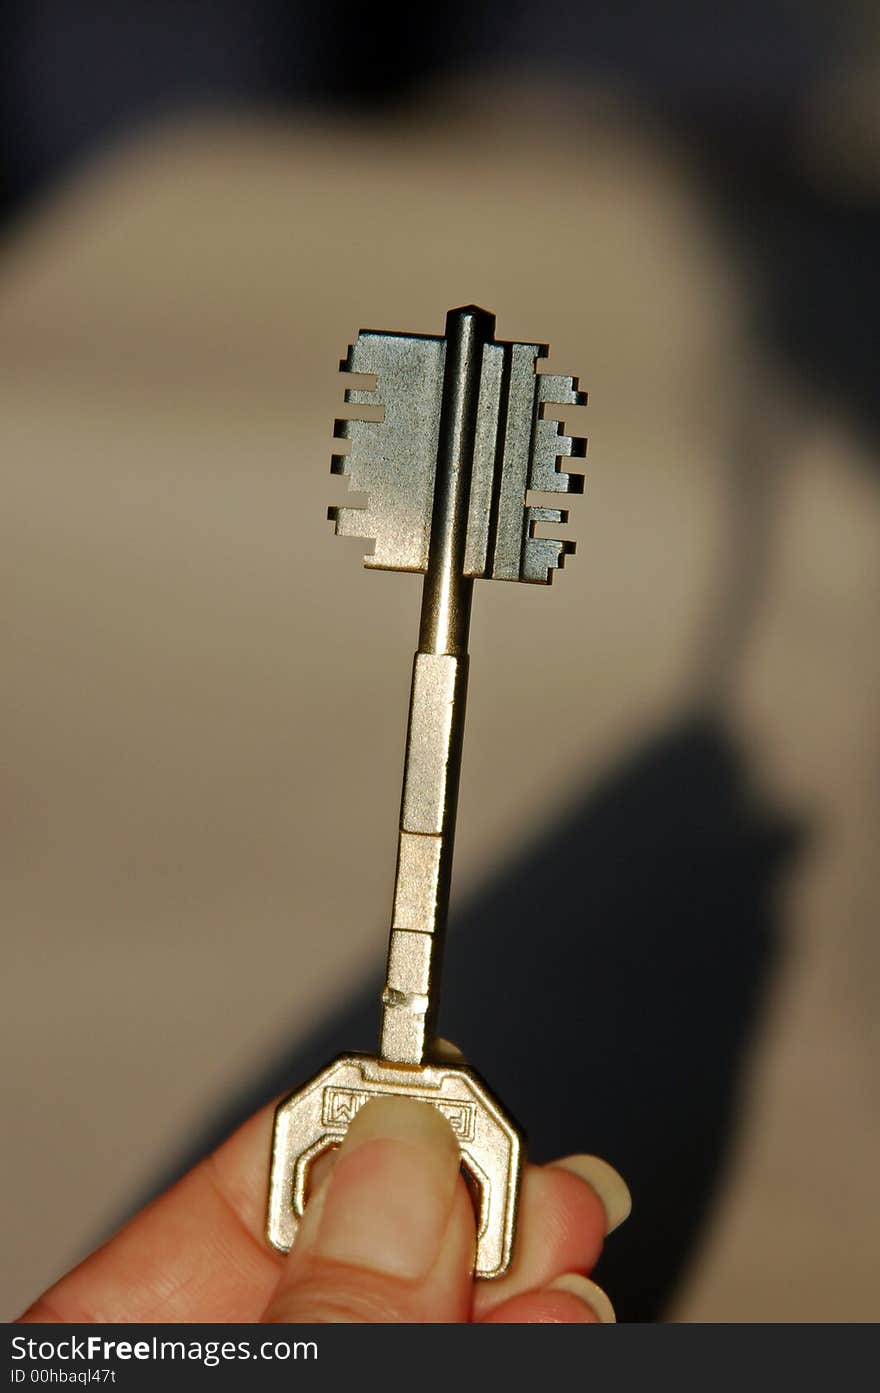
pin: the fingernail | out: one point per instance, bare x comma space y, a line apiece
444, 1051
587, 1292
611, 1188
386, 1203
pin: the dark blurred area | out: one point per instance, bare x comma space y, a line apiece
663, 880
732, 81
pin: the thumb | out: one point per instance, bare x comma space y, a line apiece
388, 1232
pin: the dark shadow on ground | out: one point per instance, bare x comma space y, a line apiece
607, 986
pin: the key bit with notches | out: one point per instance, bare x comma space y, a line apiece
470, 430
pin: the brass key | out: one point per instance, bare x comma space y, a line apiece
448, 472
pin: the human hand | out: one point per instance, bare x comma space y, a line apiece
387, 1236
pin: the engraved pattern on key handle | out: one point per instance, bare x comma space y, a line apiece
316, 1118
467, 435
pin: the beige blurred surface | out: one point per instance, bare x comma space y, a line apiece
205, 695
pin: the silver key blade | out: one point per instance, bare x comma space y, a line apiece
393, 461
518, 448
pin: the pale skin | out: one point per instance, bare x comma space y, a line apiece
388, 1236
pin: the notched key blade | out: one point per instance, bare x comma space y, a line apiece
544, 555
528, 454
392, 460
520, 447
557, 390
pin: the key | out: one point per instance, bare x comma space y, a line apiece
467, 436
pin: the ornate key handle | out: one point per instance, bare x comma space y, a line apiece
448, 473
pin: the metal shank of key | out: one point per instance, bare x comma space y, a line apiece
463, 440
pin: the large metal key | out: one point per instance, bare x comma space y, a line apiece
449, 472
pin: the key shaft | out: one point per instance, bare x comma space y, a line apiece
435, 730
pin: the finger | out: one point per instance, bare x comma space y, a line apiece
571, 1299
566, 1210
389, 1235
198, 1252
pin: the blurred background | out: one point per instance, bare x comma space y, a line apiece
672, 756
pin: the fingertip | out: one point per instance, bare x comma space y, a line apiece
608, 1184
589, 1293
571, 1299
386, 1202
388, 1232
560, 1229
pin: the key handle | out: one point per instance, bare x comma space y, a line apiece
315, 1118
